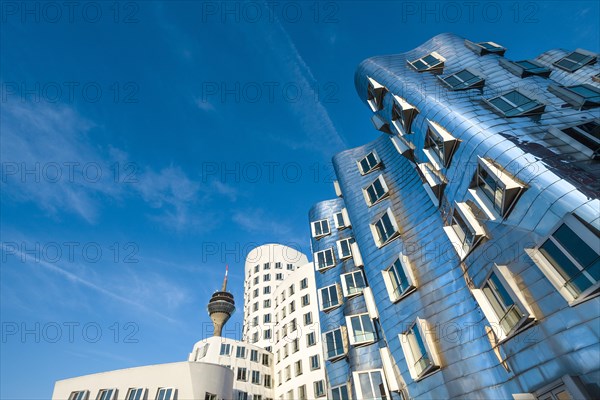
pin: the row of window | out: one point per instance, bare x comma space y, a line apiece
132, 394
318, 390
314, 363
321, 227
256, 378
267, 266
241, 352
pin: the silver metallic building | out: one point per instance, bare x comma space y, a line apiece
462, 256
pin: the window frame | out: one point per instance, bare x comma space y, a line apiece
379, 197
326, 266
359, 389
110, 392
375, 94
79, 395
172, 392
340, 243
340, 395
372, 167
305, 300
471, 238
403, 115
435, 68
357, 290
408, 274
137, 393
577, 100
477, 84
312, 364
376, 232
481, 50
591, 60
537, 110
440, 146
418, 326
344, 344
319, 388
338, 297
579, 138
320, 224
517, 68
352, 337
550, 271
345, 219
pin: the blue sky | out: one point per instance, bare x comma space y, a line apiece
145, 146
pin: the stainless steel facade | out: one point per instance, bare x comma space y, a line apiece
555, 347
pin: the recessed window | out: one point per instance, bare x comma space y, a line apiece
225, 349
304, 283
462, 80
279, 277
290, 267
484, 48
432, 62
210, 396
256, 268
420, 355
267, 381
353, 283
585, 137
165, 394
240, 352
292, 306
291, 290
335, 344
440, 145
266, 266
296, 342
320, 228
79, 395
465, 232
385, 229
495, 189
570, 258
256, 280
278, 265
254, 355
266, 360
267, 318
369, 163
375, 94
582, 97
376, 191
434, 182
267, 334
311, 339
305, 300
324, 259
399, 278
308, 318
341, 219
267, 303
340, 393
370, 385
575, 60
515, 104
243, 396
525, 68
256, 377
106, 394
302, 392
134, 394
315, 362
319, 387
403, 115
267, 290
330, 297
242, 374
344, 248
500, 303
360, 329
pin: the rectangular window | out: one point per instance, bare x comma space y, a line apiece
399, 279
463, 80
254, 355
440, 145
305, 300
292, 306
353, 283
256, 268
255, 307
341, 219
135, 394
79, 395
267, 278
432, 62
319, 387
586, 137
240, 352
278, 265
465, 232
293, 325
515, 104
243, 396
290, 267
267, 290
495, 189
329, 297
324, 259
298, 368
311, 339
165, 394
266, 360
575, 60
225, 349
581, 97
266, 266
291, 290
335, 346
320, 228
267, 381
242, 374
315, 362
255, 294
302, 392
267, 318
385, 229
267, 334
369, 163
279, 277
295, 345
570, 258
370, 385
525, 68
288, 373
484, 48
308, 318
403, 115
256, 377
304, 283
344, 248
340, 393
419, 354
376, 191
375, 94
360, 329
256, 280
106, 394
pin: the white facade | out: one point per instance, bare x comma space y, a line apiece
266, 268
252, 366
174, 381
